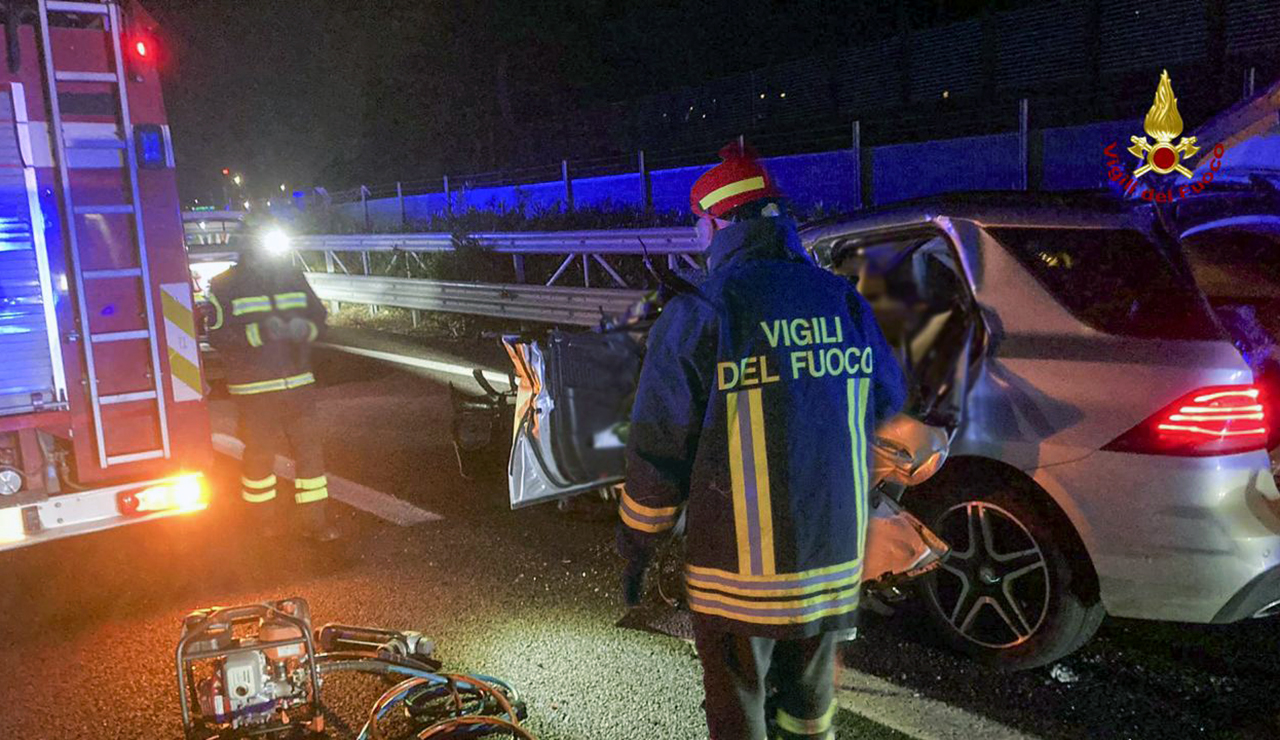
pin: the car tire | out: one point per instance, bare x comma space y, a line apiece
1017, 591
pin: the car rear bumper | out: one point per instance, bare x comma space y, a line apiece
1181, 539
1259, 598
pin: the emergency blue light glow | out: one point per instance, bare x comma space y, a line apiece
299, 194
149, 140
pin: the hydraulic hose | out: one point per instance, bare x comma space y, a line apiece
468, 696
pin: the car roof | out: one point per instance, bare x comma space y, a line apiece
1084, 209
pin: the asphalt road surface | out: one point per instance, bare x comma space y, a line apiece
89, 625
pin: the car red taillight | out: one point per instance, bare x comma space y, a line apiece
1221, 420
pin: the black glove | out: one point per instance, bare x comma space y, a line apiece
276, 328
298, 330
633, 582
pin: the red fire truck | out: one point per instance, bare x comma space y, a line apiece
103, 420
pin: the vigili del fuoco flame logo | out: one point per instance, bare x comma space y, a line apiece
1163, 124
1162, 157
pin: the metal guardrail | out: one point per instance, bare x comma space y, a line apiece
549, 304
613, 241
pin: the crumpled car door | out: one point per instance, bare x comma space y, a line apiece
573, 400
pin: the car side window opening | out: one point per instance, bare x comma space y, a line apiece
921, 302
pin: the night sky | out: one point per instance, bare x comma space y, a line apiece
334, 92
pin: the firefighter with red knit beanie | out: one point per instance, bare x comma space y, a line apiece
747, 426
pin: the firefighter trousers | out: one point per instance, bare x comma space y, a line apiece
267, 420
737, 672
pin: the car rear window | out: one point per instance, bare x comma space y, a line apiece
1114, 280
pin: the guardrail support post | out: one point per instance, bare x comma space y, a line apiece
560, 270
646, 185
517, 261
400, 201
364, 260
364, 204
448, 197
1024, 160
856, 145
586, 271
568, 184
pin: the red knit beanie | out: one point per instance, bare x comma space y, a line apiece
736, 181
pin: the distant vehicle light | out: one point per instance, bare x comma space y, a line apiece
141, 48
276, 242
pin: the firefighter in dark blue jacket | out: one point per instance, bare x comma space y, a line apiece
264, 320
756, 400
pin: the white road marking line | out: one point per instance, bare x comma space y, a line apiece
903, 709
381, 505
450, 368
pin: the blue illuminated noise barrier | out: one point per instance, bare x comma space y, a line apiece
1071, 158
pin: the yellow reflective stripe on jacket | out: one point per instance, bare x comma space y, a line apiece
775, 611
817, 726
286, 301
857, 391
307, 490
646, 518
749, 476
251, 304
313, 331
782, 584
217, 312
253, 334
641, 525
779, 599
266, 386
639, 508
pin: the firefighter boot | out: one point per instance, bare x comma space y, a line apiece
266, 520
316, 523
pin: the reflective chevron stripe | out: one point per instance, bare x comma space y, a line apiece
181, 341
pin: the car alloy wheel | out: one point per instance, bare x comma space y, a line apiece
994, 589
